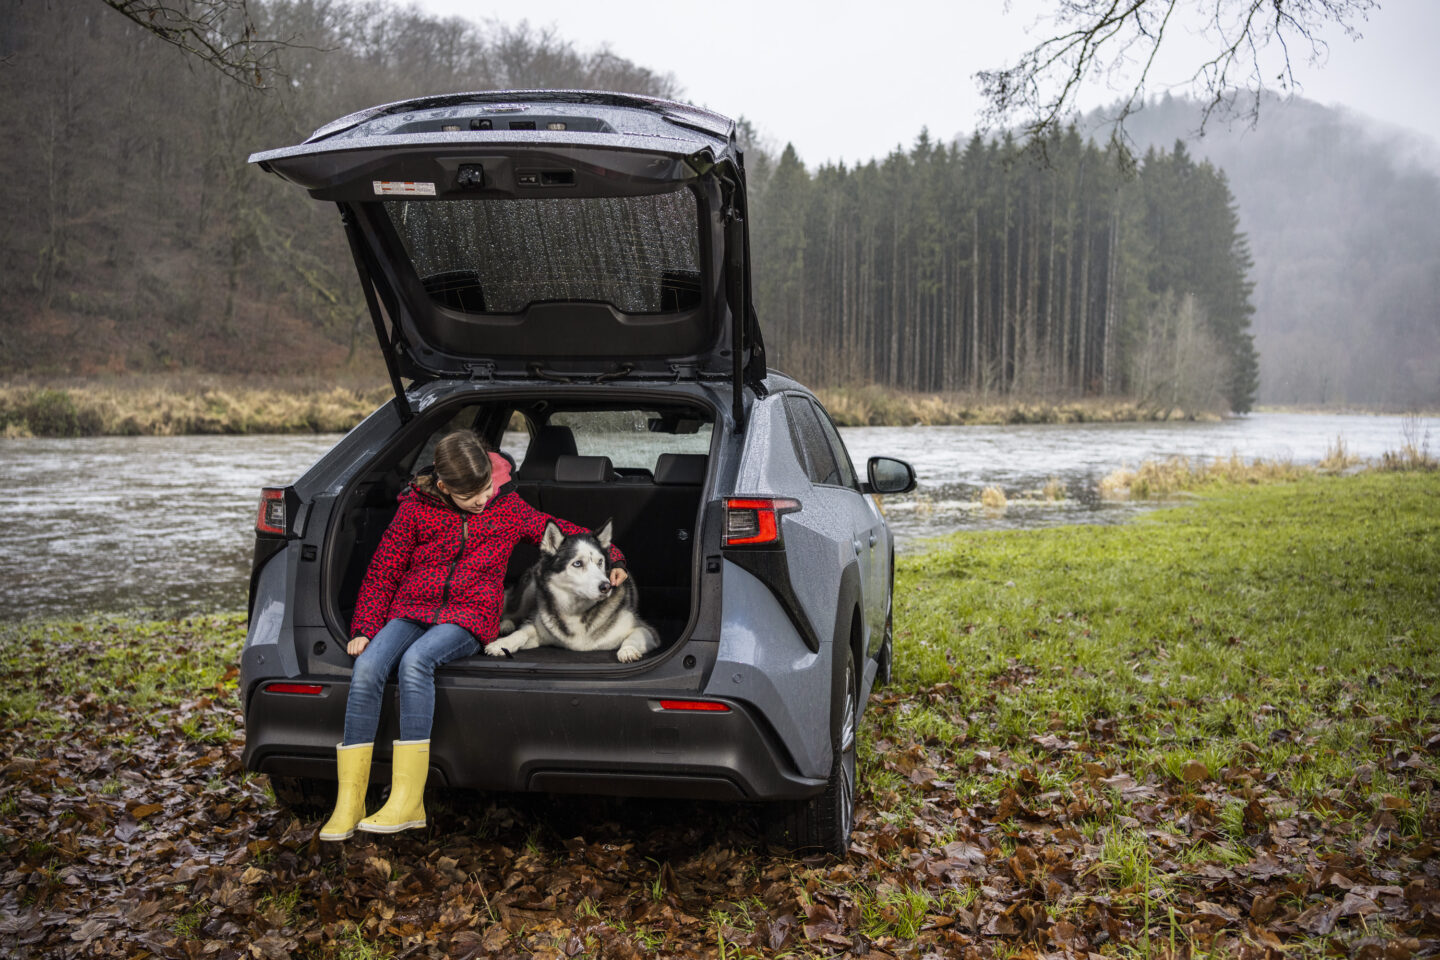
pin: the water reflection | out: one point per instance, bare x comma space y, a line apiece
164, 525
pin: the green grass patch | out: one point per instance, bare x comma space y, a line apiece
149, 667
1274, 626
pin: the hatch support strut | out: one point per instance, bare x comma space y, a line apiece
735, 246
747, 352
367, 283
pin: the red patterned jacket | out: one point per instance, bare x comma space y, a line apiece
438, 564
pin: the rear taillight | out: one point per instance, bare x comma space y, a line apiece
699, 706
306, 688
272, 512
755, 521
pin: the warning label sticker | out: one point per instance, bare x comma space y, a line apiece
414, 188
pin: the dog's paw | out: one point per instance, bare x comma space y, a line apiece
629, 654
497, 648
507, 626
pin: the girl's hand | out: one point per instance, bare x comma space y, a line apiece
618, 576
357, 646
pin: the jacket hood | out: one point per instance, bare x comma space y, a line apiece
500, 475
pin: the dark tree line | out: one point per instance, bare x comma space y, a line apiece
984, 268
136, 236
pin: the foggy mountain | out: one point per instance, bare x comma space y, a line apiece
1343, 219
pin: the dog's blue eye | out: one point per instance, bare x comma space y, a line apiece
578, 563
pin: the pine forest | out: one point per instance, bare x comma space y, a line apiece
992, 268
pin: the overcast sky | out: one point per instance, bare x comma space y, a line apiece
845, 80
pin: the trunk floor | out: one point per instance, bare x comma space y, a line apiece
669, 634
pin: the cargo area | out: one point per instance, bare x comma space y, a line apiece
642, 465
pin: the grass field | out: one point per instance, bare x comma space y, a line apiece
1210, 732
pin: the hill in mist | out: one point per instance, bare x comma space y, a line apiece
1343, 219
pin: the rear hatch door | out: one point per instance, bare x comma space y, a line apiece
555, 235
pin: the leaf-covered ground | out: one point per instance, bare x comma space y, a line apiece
1211, 732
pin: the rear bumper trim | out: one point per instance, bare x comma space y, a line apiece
551, 740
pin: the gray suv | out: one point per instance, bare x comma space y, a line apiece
567, 274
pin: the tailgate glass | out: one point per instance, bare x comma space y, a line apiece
639, 254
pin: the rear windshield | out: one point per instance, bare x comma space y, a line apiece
632, 439
638, 254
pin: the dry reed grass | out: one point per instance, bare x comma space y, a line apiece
875, 406
1414, 452
180, 404
1407, 457
993, 498
1162, 478
1338, 459
158, 410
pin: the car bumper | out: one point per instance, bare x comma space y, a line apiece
491, 737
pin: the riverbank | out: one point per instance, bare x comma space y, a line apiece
174, 406
167, 407
874, 406
1207, 732
1159, 479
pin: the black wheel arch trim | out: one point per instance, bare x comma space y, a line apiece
849, 600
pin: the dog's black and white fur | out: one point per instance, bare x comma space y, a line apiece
566, 600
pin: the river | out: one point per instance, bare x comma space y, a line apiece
163, 526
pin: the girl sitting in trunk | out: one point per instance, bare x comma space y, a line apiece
433, 593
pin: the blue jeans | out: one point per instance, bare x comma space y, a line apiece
417, 648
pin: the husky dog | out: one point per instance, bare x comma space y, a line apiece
566, 600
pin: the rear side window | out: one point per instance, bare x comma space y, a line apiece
500, 255
811, 446
837, 447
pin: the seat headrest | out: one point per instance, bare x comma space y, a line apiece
685, 468
551, 443
572, 469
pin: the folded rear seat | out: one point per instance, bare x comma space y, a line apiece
549, 444
652, 522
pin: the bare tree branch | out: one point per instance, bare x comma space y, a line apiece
220, 33
1095, 38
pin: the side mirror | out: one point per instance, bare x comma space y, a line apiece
888, 475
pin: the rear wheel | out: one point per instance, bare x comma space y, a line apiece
823, 822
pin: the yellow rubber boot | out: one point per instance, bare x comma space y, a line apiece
406, 807
353, 766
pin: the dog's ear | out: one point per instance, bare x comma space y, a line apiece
552, 538
603, 535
